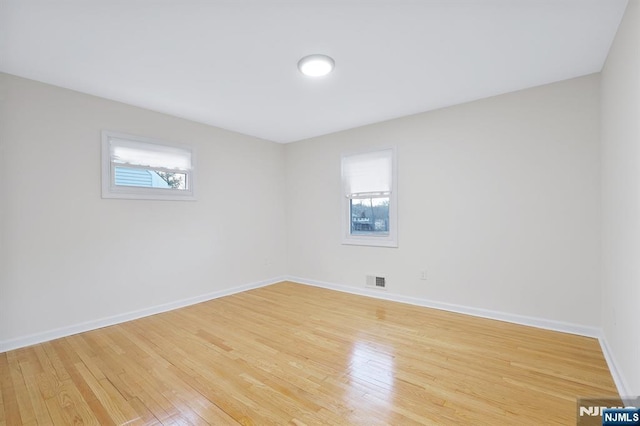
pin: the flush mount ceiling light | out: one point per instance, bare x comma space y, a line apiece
316, 65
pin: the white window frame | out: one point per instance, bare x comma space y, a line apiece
390, 240
111, 190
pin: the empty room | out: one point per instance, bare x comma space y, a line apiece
312, 212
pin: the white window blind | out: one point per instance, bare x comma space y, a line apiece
367, 174
149, 155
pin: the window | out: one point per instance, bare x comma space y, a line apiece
370, 199
142, 168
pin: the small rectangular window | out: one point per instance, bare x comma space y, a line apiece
370, 199
143, 168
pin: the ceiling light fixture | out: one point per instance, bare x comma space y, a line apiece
316, 65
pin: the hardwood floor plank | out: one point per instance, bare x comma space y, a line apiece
73, 407
11, 411
118, 409
31, 371
69, 358
300, 355
27, 413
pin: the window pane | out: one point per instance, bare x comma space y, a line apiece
148, 178
370, 216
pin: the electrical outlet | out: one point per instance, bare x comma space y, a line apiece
423, 275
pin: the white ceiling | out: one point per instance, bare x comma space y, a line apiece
232, 64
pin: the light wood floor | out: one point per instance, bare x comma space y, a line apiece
293, 354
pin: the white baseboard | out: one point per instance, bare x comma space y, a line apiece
547, 324
565, 327
32, 339
618, 379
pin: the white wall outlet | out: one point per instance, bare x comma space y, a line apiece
423, 275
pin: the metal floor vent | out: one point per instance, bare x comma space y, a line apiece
374, 281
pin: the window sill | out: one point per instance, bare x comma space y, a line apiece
371, 242
145, 194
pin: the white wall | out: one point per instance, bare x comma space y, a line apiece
69, 256
621, 198
499, 202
